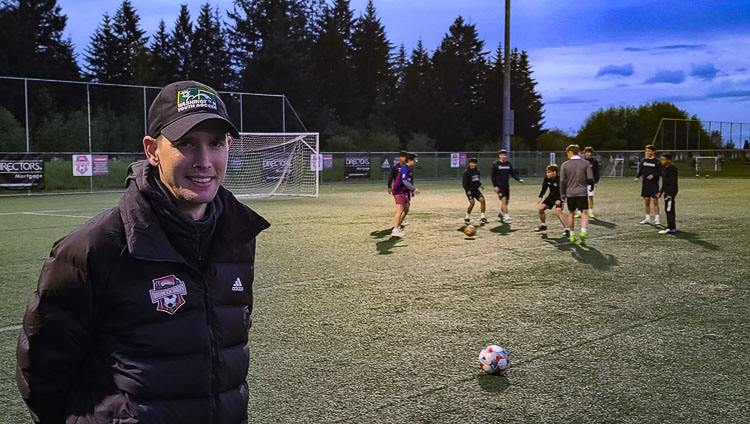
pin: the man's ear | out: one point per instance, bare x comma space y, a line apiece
150, 145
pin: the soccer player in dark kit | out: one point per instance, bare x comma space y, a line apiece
472, 185
668, 192
650, 170
551, 182
502, 170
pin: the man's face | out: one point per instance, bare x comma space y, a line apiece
551, 174
664, 161
649, 153
472, 165
502, 157
193, 167
587, 154
402, 159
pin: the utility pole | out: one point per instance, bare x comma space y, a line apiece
507, 113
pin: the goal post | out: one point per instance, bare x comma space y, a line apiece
274, 164
707, 163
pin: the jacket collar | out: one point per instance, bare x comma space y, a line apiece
146, 238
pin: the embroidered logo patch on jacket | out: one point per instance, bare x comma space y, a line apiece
167, 294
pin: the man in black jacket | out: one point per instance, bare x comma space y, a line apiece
142, 314
472, 184
668, 191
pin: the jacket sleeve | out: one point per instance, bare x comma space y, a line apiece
640, 170
595, 168
392, 175
544, 188
56, 336
514, 173
493, 175
563, 181
466, 180
589, 175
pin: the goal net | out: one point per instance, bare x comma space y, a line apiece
274, 164
614, 167
707, 163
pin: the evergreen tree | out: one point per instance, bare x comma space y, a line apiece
102, 57
117, 52
332, 55
460, 69
163, 65
416, 96
181, 49
371, 52
31, 43
211, 63
525, 101
489, 117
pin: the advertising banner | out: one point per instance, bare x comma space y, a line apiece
100, 165
455, 160
82, 166
273, 167
316, 162
328, 161
21, 172
357, 165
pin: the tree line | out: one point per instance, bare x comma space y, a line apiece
341, 73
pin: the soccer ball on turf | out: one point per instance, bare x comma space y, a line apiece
494, 359
470, 230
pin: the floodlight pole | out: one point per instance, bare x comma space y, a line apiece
507, 113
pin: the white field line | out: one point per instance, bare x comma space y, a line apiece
32, 212
10, 328
56, 215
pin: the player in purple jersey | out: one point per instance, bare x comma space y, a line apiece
403, 188
650, 169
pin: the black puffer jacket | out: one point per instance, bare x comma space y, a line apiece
123, 329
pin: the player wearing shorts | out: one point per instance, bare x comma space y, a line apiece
551, 182
650, 170
575, 176
669, 192
502, 170
471, 186
588, 153
403, 189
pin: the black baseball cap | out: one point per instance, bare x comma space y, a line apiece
181, 105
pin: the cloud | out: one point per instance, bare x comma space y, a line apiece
633, 49
704, 71
623, 71
569, 101
669, 77
730, 94
740, 70
683, 47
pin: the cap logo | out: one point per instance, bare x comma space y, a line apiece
195, 97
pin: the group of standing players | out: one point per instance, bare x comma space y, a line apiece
573, 183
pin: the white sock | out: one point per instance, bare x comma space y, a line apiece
583, 230
483, 215
648, 217
591, 210
467, 216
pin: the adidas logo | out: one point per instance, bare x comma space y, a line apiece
237, 286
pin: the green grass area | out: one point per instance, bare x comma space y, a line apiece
351, 325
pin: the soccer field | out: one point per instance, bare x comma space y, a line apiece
351, 325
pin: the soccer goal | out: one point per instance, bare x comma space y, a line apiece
614, 167
274, 164
707, 163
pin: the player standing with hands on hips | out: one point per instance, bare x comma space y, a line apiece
142, 314
502, 170
650, 169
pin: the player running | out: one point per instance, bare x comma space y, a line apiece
403, 189
502, 170
650, 169
551, 182
472, 185
575, 176
668, 191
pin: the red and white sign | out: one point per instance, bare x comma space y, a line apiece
82, 166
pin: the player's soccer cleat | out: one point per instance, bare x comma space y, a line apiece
578, 214
398, 232
668, 231
645, 221
591, 214
541, 228
582, 235
404, 223
506, 219
500, 215
484, 221
656, 220
467, 221
566, 233
572, 238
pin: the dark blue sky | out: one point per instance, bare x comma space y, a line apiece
586, 54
